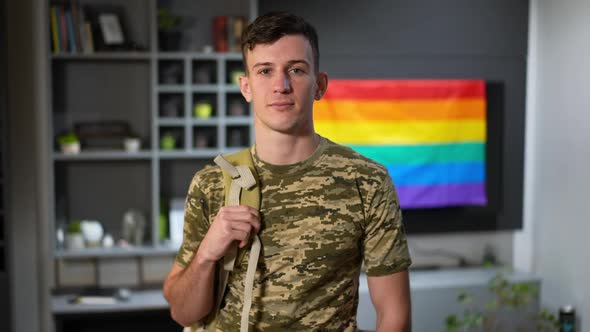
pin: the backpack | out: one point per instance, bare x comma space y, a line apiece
241, 188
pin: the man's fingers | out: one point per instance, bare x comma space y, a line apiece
240, 215
241, 236
241, 226
241, 209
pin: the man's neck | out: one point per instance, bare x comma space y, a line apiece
283, 149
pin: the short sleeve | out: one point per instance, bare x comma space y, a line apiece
196, 224
385, 247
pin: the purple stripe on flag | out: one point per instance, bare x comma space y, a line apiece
432, 196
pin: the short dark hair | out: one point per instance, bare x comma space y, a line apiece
270, 27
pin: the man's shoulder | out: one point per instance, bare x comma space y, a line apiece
208, 180
343, 158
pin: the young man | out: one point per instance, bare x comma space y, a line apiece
324, 209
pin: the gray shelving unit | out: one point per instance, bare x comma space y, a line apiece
117, 252
138, 87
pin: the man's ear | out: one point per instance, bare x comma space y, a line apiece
245, 87
321, 85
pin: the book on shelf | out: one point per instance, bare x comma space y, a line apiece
69, 28
236, 25
227, 33
63, 33
76, 25
54, 30
87, 38
220, 33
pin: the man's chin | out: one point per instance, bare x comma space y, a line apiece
292, 130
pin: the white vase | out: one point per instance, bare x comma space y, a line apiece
70, 148
132, 144
75, 241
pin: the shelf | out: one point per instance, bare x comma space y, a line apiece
200, 122
233, 88
238, 120
171, 88
140, 300
104, 155
171, 121
204, 122
199, 56
116, 252
206, 88
107, 56
200, 153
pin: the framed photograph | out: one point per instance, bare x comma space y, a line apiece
108, 27
111, 30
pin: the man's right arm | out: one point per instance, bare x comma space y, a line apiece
189, 291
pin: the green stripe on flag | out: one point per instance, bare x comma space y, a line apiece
422, 154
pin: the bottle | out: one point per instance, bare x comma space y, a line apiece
567, 319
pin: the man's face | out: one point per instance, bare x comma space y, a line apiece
282, 85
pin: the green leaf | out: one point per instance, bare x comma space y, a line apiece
452, 323
67, 138
464, 298
491, 306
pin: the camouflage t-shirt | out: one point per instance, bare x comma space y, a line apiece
321, 218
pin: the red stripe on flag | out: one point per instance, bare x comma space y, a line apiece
404, 89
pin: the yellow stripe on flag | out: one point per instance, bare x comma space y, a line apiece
406, 132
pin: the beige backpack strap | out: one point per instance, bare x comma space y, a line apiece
249, 282
241, 178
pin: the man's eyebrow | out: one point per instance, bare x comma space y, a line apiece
290, 63
262, 64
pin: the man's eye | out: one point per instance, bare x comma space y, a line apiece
297, 70
265, 71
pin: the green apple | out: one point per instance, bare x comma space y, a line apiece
167, 142
203, 110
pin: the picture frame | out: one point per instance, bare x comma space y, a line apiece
108, 27
111, 29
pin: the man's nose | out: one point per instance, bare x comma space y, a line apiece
282, 83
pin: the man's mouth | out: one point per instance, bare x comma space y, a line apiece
281, 105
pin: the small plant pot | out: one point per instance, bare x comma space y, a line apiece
132, 144
75, 241
70, 148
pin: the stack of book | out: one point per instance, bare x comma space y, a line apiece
227, 33
71, 31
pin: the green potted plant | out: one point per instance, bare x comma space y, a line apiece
169, 35
69, 143
514, 298
74, 236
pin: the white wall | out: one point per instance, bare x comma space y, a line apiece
556, 240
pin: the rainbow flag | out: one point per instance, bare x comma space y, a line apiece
430, 134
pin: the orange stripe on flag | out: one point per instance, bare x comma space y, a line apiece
396, 110
403, 133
